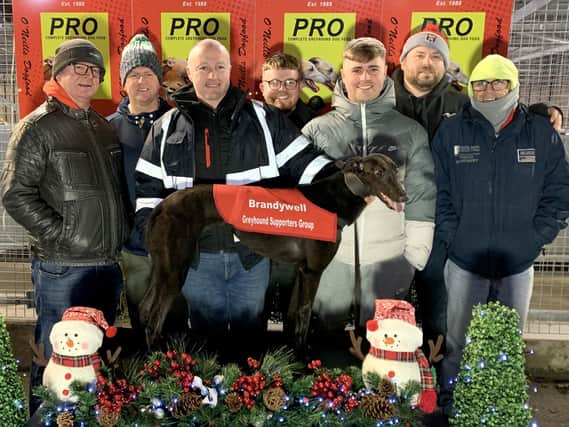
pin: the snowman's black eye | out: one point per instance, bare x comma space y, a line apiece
65, 334
395, 336
76, 335
385, 335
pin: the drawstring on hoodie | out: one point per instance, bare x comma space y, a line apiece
207, 148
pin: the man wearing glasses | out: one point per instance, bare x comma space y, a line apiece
281, 83
503, 192
63, 183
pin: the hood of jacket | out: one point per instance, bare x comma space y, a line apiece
353, 110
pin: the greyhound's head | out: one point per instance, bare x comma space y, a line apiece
374, 175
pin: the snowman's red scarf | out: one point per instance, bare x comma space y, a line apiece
408, 356
77, 361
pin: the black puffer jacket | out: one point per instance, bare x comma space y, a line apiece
429, 110
63, 183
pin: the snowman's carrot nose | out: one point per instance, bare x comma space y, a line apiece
389, 341
69, 343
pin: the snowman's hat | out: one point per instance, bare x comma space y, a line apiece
394, 309
90, 315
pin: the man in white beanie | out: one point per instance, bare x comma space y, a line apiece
62, 182
141, 78
502, 193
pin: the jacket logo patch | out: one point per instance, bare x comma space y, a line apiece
466, 153
526, 155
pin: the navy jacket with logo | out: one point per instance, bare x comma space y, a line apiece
501, 197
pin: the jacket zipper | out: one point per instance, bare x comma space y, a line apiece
207, 148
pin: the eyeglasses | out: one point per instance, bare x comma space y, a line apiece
82, 69
277, 84
136, 76
482, 85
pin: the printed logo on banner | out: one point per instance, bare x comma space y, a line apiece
58, 27
319, 39
464, 32
181, 31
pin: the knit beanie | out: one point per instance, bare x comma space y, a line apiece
77, 50
430, 36
494, 67
139, 52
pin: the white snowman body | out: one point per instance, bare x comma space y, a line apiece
394, 335
71, 339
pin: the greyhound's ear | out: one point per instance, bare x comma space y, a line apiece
353, 164
355, 184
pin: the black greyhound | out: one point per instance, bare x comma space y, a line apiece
177, 222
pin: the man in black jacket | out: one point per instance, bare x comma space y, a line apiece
216, 135
63, 183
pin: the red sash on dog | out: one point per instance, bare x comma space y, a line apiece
269, 211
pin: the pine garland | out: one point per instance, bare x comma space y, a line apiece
273, 391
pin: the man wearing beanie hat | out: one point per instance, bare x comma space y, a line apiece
62, 182
390, 243
503, 192
424, 93
141, 78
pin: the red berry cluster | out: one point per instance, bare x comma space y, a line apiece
250, 386
336, 391
171, 363
113, 395
314, 365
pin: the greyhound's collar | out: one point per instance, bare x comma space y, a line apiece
77, 361
404, 356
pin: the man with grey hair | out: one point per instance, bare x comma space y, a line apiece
216, 135
381, 251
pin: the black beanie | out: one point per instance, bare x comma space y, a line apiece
77, 50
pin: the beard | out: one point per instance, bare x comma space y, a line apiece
424, 83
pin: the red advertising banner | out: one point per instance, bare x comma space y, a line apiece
473, 28
316, 32
313, 30
39, 27
177, 25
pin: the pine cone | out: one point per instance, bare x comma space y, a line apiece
386, 388
233, 402
377, 407
65, 419
187, 403
109, 419
274, 399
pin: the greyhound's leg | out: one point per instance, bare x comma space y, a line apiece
300, 310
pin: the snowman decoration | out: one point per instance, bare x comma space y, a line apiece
75, 341
394, 352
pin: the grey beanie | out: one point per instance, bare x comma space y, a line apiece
139, 52
77, 50
431, 37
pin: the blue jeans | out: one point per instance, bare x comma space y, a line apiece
465, 290
59, 287
222, 294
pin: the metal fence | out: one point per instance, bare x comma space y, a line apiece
539, 45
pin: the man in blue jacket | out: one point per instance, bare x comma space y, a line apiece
503, 192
